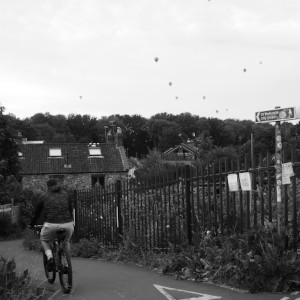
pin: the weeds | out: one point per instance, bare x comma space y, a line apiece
255, 260
14, 286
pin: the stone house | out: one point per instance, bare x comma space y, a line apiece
185, 152
74, 165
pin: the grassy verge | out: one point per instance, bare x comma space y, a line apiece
15, 286
258, 260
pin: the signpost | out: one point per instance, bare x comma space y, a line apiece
276, 115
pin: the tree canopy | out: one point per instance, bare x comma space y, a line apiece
160, 132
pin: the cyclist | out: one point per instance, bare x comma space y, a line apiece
55, 207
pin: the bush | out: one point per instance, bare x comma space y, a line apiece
14, 286
7, 229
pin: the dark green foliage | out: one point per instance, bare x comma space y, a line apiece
10, 189
14, 286
9, 164
160, 131
5, 225
27, 199
7, 229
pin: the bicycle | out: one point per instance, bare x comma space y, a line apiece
62, 262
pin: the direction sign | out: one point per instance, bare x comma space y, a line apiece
280, 114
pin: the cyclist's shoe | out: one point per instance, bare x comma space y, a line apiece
50, 265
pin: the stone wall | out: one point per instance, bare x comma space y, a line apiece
38, 183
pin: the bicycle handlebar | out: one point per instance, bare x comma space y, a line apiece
35, 227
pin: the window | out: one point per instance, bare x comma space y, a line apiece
54, 152
20, 154
97, 180
95, 152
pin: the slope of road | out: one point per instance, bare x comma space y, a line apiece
95, 280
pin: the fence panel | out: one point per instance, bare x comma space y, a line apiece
176, 207
96, 215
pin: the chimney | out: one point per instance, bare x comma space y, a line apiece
110, 137
19, 139
119, 137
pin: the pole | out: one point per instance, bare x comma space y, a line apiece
252, 152
278, 158
119, 210
188, 203
105, 133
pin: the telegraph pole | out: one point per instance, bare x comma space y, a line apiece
278, 165
277, 115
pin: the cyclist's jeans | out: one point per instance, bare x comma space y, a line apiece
48, 234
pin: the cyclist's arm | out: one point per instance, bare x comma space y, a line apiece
71, 204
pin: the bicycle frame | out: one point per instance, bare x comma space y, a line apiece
62, 261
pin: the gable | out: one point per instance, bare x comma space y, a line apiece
72, 158
182, 148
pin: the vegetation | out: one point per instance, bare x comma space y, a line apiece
15, 286
255, 260
161, 131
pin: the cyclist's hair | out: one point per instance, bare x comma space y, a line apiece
51, 182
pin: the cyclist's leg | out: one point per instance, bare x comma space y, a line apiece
46, 237
69, 229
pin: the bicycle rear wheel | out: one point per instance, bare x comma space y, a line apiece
65, 271
50, 275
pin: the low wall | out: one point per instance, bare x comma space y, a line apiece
14, 211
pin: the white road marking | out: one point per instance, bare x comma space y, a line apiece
285, 298
162, 289
58, 291
46, 280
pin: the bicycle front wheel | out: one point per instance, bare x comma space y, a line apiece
51, 275
65, 271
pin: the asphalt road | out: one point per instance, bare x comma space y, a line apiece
102, 280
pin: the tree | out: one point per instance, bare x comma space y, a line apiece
137, 140
9, 164
44, 132
84, 128
188, 124
204, 144
165, 134
152, 164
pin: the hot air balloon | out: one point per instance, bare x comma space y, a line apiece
176, 97
244, 70
170, 83
204, 97
217, 111
156, 59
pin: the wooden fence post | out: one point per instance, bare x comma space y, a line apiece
75, 216
119, 210
188, 203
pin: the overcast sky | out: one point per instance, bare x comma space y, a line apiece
96, 57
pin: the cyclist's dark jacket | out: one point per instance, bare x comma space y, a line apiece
54, 206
